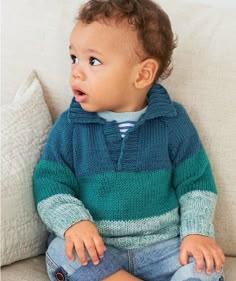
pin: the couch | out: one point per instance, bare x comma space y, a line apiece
35, 90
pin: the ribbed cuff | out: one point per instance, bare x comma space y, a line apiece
69, 218
196, 226
61, 211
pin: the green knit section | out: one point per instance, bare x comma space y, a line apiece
128, 195
110, 196
194, 174
124, 196
51, 178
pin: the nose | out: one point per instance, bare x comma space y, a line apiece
78, 73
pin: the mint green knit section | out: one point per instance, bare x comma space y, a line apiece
197, 213
194, 174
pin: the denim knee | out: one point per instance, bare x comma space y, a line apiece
189, 273
59, 267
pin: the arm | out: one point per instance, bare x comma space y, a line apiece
192, 177
55, 192
55, 185
197, 194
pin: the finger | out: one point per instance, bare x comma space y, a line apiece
198, 256
90, 246
100, 247
69, 250
79, 248
183, 257
218, 263
209, 261
219, 258
222, 256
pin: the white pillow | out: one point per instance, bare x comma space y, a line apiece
25, 125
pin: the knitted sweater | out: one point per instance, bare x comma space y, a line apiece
152, 185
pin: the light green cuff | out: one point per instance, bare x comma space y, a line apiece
61, 211
197, 213
196, 226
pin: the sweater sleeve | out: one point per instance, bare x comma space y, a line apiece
192, 177
55, 184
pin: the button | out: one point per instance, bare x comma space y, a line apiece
60, 276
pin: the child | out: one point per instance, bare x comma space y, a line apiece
124, 184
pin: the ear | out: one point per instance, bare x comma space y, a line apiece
146, 73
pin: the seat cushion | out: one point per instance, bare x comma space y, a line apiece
26, 270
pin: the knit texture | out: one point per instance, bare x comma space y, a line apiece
151, 185
124, 120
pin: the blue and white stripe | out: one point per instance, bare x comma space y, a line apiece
125, 126
124, 120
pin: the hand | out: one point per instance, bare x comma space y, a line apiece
81, 235
202, 248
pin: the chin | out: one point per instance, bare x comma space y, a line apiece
91, 108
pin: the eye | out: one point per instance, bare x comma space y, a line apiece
93, 61
74, 59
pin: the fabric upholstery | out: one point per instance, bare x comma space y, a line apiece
25, 124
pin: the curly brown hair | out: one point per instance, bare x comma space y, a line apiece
152, 24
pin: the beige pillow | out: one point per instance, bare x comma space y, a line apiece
25, 125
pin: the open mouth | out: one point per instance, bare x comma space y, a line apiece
80, 96
79, 93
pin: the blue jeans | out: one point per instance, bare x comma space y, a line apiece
158, 262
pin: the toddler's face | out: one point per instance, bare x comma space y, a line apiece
104, 66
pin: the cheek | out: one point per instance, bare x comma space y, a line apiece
70, 79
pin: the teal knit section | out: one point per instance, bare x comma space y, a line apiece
113, 195
51, 178
194, 174
127, 195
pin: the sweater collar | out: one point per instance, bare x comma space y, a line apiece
159, 105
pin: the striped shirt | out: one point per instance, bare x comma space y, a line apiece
125, 126
124, 120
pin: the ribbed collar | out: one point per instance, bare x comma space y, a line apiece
159, 105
